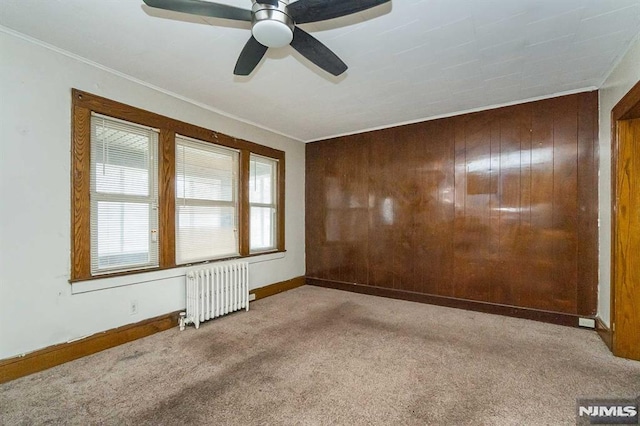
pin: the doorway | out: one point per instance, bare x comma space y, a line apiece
625, 264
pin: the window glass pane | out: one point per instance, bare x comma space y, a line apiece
124, 215
204, 174
262, 199
205, 233
206, 201
262, 173
122, 234
262, 228
121, 160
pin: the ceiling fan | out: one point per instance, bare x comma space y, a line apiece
274, 23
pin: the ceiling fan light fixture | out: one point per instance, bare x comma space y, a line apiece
272, 26
272, 33
274, 23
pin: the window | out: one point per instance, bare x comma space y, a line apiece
206, 201
150, 192
124, 213
263, 203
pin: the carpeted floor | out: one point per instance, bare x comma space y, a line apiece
320, 356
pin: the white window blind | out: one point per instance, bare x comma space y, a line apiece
206, 201
262, 199
124, 192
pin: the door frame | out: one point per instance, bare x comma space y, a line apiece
626, 109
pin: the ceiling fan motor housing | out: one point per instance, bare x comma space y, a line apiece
271, 24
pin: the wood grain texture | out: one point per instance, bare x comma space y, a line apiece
167, 198
315, 208
626, 337
498, 206
80, 194
244, 209
43, 359
626, 109
588, 166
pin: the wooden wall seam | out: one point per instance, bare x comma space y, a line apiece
497, 206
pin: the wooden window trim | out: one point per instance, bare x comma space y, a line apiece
167, 193
244, 207
83, 104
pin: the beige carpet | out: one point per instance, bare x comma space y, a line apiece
319, 356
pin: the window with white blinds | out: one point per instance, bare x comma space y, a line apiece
124, 193
206, 201
262, 200
146, 198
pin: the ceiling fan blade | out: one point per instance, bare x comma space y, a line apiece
304, 11
203, 8
250, 57
317, 52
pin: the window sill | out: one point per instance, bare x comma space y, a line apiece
103, 282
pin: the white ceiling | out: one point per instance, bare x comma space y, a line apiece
408, 60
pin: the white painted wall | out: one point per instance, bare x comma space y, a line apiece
37, 305
620, 80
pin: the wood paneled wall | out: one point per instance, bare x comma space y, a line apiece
498, 206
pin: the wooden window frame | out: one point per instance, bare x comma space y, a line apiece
83, 104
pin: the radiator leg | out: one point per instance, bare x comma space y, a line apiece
181, 320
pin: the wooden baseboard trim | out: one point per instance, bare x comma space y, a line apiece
276, 288
13, 368
470, 305
604, 332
